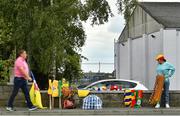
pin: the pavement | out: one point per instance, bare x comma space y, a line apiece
78, 112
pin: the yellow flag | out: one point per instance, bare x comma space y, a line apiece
65, 83
35, 96
83, 93
50, 87
55, 91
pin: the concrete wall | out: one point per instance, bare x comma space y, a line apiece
138, 56
140, 23
171, 50
123, 61
140, 53
145, 39
116, 57
113, 99
177, 76
154, 47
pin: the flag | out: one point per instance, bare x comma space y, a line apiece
65, 83
127, 97
60, 88
55, 91
139, 95
35, 94
50, 87
133, 102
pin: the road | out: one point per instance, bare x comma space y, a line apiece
104, 111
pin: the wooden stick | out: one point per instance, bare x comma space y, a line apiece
60, 106
50, 102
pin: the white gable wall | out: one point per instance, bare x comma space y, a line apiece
142, 64
177, 76
116, 58
124, 62
154, 48
170, 48
138, 56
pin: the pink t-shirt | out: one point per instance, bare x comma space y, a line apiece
20, 62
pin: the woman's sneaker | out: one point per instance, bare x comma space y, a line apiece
32, 108
167, 106
9, 109
157, 105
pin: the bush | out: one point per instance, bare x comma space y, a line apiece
5, 70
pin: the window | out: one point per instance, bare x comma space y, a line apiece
109, 84
124, 84
98, 85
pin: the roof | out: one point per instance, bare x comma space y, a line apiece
165, 13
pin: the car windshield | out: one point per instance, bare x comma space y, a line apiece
108, 85
82, 86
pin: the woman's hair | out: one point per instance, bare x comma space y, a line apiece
20, 52
164, 60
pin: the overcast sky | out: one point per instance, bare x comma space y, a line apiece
99, 46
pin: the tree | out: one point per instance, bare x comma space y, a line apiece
126, 7
49, 31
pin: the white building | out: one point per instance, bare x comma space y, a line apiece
154, 27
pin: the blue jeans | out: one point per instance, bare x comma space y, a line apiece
165, 94
20, 83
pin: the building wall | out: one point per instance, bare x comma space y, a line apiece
116, 57
177, 76
172, 53
146, 38
154, 47
142, 64
140, 23
144, 51
123, 61
138, 46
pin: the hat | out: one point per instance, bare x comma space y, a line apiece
160, 56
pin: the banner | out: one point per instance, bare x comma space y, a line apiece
35, 94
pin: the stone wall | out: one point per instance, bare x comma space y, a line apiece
110, 99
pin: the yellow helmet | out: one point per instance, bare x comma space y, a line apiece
160, 56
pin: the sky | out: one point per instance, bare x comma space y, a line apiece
99, 45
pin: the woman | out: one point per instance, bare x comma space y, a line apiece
167, 70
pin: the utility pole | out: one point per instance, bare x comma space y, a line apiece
99, 67
54, 55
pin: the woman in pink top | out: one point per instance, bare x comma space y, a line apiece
21, 73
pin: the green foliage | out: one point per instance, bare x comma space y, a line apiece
5, 66
126, 7
50, 30
98, 11
4, 71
